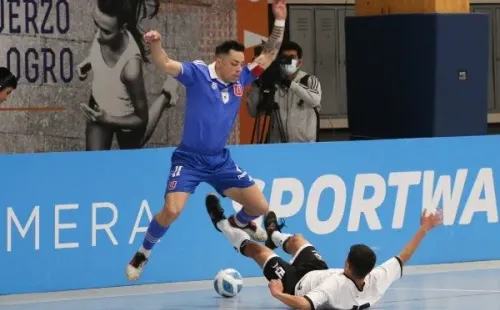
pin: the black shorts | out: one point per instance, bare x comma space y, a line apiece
307, 260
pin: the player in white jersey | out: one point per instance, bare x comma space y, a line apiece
306, 282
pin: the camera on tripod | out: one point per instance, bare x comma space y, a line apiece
273, 75
268, 83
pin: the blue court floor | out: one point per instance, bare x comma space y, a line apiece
439, 287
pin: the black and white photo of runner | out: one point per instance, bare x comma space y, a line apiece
118, 106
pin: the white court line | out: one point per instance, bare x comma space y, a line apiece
150, 289
441, 290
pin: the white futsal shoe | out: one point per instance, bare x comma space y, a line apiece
255, 232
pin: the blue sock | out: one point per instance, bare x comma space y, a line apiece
153, 235
243, 218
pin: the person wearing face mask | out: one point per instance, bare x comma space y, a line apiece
298, 96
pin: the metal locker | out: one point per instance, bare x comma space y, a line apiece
326, 30
302, 32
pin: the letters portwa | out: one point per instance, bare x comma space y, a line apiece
446, 190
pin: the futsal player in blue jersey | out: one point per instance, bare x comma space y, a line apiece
214, 94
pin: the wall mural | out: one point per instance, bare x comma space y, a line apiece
86, 81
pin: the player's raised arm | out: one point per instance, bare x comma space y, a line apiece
271, 49
427, 222
392, 269
160, 57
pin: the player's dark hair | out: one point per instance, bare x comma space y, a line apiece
292, 46
7, 79
132, 12
227, 46
362, 260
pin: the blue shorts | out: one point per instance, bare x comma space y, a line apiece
188, 170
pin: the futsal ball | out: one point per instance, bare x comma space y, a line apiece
228, 283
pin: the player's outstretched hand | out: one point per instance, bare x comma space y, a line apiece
429, 220
276, 287
279, 9
152, 36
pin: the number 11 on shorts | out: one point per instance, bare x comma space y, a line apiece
177, 171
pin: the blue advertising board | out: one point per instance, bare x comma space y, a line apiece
74, 220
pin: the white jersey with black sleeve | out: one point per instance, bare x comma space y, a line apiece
327, 289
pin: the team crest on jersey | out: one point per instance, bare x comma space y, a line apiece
225, 97
238, 90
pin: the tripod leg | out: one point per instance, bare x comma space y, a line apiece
270, 129
263, 138
255, 132
262, 124
281, 129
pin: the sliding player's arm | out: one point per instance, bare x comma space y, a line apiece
427, 222
392, 269
295, 302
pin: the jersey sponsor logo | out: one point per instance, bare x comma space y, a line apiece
238, 90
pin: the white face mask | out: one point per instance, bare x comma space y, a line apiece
291, 68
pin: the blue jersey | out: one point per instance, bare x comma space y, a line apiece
211, 107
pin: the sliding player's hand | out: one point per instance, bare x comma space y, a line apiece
276, 287
152, 36
429, 220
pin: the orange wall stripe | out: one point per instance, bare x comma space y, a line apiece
251, 16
